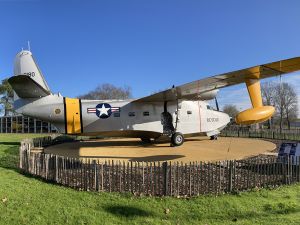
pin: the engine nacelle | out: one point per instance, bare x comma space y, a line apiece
209, 95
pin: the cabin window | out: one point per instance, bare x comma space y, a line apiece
116, 114
146, 113
189, 112
131, 114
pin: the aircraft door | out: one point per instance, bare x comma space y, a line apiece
167, 118
177, 115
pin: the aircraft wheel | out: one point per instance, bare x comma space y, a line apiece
214, 137
146, 140
177, 139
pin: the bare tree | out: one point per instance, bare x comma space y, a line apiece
292, 115
231, 110
285, 102
7, 95
268, 91
108, 91
290, 103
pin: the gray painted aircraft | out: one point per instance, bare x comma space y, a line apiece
174, 113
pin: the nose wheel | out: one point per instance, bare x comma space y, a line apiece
177, 139
146, 140
214, 137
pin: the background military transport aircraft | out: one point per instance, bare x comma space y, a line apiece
175, 113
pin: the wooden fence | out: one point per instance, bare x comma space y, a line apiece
159, 178
293, 135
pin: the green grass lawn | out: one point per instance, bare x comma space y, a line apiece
27, 200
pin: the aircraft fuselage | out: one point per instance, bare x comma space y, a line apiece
124, 118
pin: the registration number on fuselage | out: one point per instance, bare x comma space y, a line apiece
30, 74
212, 120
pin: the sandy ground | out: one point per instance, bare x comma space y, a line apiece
194, 149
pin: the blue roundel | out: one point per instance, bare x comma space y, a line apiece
103, 110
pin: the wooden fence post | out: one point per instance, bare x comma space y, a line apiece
95, 176
298, 167
56, 168
284, 169
230, 176
21, 152
166, 178
288, 170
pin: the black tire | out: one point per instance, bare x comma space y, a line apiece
214, 137
177, 139
146, 140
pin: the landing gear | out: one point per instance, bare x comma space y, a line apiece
214, 137
146, 140
169, 130
177, 139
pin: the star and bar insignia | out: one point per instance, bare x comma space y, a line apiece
103, 110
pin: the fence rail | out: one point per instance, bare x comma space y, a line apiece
268, 134
159, 178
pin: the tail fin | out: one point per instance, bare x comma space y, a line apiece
28, 80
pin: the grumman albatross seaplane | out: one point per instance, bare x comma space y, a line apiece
175, 113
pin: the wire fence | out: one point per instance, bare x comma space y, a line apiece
158, 178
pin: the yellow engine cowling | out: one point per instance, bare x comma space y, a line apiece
258, 113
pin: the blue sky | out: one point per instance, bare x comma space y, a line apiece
148, 45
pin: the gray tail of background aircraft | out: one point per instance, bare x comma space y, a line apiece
174, 113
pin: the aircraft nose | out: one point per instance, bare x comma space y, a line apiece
225, 118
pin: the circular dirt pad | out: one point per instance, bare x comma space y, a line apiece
193, 149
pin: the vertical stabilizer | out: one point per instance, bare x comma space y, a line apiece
25, 65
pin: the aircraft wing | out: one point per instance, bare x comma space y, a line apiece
194, 90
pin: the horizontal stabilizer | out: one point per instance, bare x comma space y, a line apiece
25, 87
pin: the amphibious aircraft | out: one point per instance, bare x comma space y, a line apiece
173, 113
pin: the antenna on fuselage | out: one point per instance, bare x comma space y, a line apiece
28, 45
